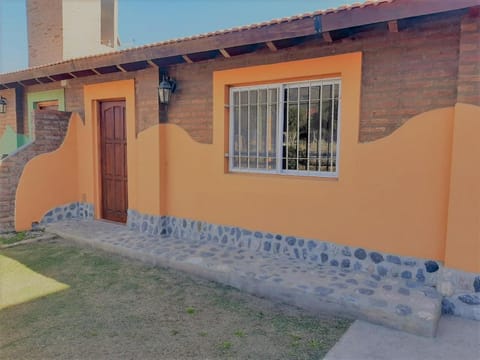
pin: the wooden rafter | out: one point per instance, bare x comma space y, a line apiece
224, 53
151, 63
187, 59
271, 46
119, 67
327, 36
393, 26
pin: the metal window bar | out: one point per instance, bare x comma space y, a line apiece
320, 129
286, 115
267, 130
308, 124
297, 142
248, 129
330, 145
258, 129
282, 129
240, 120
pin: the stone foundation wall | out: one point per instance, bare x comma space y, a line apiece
461, 290
76, 210
311, 250
430, 272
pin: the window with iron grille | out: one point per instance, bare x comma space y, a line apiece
285, 128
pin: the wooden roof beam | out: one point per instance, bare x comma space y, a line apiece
393, 26
151, 63
271, 46
225, 53
327, 36
119, 67
187, 59
96, 71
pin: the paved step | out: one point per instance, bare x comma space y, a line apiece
394, 302
463, 304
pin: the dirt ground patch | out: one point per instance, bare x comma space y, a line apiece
118, 308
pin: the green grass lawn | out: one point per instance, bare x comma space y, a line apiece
12, 238
117, 308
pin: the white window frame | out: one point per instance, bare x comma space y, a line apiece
281, 118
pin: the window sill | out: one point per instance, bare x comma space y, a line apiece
292, 176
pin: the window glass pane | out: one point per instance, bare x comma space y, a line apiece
326, 134
326, 92
333, 151
292, 124
236, 130
293, 94
314, 135
304, 93
262, 96
315, 92
244, 136
253, 97
252, 141
273, 96
303, 137
262, 136
244, 97
272, 145
336, 90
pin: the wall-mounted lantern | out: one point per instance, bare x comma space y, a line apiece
166, 89
3, 105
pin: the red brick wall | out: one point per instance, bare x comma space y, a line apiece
45, 31
10, 117
146, 94
403, 74
50, 130
469, 59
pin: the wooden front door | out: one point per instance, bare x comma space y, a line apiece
113, 156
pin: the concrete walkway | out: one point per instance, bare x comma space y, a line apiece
394, 302
457, 338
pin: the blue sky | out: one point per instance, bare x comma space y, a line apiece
147, 21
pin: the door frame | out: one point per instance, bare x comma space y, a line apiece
89, 140
98, 131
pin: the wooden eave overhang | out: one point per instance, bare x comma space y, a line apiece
237, 41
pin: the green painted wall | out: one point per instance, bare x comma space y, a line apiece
35, 97
10, 141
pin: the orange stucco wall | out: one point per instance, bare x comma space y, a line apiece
396, 195
463, 235
57, 171
390, 194
73, 170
